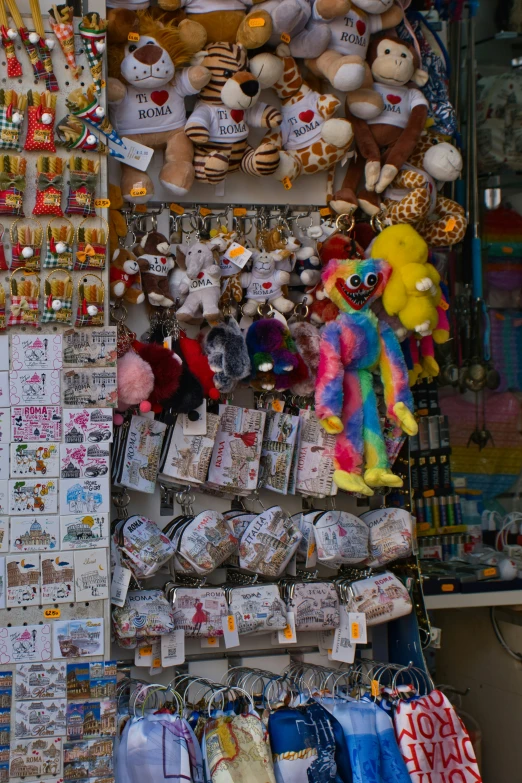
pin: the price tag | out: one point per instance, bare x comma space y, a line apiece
325, 211
173, 648
239, 211
137, 192
256, 21
287, 184
343, 649
238, 254
230, 632
288, 634
156, 658
205, 211
103, 203
285, 38
278, 406
311, 551
375, 688
51, 614
443, 305
143, 656
450, 224
177, 208
447, 588
211, 641
120, 585
357, 626
103, 84
490, 572
133, 37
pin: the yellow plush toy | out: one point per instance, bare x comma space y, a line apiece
413, 291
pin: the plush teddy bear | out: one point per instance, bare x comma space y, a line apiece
227, 106
145, 91
414, 197
125, 277
264, 284
384, 143
203, 288
155, 263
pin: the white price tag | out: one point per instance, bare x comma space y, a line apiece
155, 667
143, 656
291, 568
132, 153
120, 585
326, 640
230, 632
238, 254
199, 425
357, 627
173, 648
288, 634
343, 649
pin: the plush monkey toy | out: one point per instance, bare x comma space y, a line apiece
385, 143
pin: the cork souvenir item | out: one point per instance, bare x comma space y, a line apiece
91, 246
25, 294
83, 178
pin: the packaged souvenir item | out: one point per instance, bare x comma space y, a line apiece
143, 545
257, 608
91, 301
12, 109
61, 19
41, 114
237, 449
391, 531
269, 542
93, 31
26, 243
91, 248
58, 291
199, 610
25, 295
60, 240
12, 185
140, 454
341, 538
83, 178
315, 605
381, 597
49, 186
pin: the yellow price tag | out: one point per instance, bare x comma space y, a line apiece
311, 549
156, 663
103, 84
136, 192
231, 622
133, 37
177, 208
236, 251
450, 224
287, 184
104, 203
239, 211
51, 614
325, 211
375, 688
443, 305
285, 38
430, 493
145, 651
256, 21
507, 250
288, 632
278, 406
205, 211
448, 588
355, 631
490, 572
212, 641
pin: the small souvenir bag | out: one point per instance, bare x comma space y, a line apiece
341, 539
256, 608
91, 246
12, 109
391, 531
83, 178
58, 290
91, 301
382, 597
315, 605
12, 185
143, 546
268, 543
60, 241
25, 295
198, 610
207, 541
26, 243
145, 614
41, 116
49, 186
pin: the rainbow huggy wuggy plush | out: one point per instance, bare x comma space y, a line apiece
352, 347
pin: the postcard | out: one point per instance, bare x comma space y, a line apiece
23, 580
34, 459
36, 423
85, 496
5, 419
33, 496
34, 387
89, 759
41, 681
4, 497
84, 460
4, 389
91, 680
38, 757
25, 644
3, 586
84, 531
142, 453
4, 461
90, 347
4, 534
90, 719
78, 638
35, 534
40, 352
87, 425
57, 578
91, 578
40, 718
89, 387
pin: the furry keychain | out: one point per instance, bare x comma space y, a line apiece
227, 355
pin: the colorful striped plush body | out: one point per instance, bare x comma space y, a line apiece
352, 347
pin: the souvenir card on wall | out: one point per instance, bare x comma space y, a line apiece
4, 351
5, 416
40, 681
315, 467
91, 387
91, 575
84, 461
36, 758
91, 719
34, 387
34, 459
78, 638
57, 578
88, 758
85, 496
4, 497
36, 423
142, 453
4, 388
6, 698
237, 449
188, 456
84, 425
43, 352
23, 580
279, 440
91, 680
4, 534
84, 531
90, 347
33, 496
3, 586
35, 534
4, 461
25, 644
40, 718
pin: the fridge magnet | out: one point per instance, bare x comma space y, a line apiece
90, 347
84, 461
5, 416
58, 292
34, 459
40, 718
33, 496
84, 496
4, 389
78, 638
23, 580
88, 758
43, 352
90, 387
4, 497
91, 299
57, 578
25, 644
4, 464
2, 583
40, 681
91, 680
4, 534
34, 387
91, 719
91, 575
83, 425
35, 534
36, 758
84, 531
25, 297
36, 423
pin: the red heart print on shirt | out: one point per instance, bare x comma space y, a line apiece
163, 260
306, 116
237, 115
394, 99
159, 97
267, 286
361, 27
201, 274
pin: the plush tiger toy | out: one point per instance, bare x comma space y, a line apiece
227, 106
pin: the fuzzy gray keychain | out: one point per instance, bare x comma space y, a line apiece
227, 355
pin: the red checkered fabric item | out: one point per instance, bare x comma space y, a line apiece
12, 202
24, 311
40, 137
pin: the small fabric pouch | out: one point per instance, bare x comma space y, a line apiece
207, 541
49, 190
40, 126
390, 535
60, 240
382, 597
257, 609
240, 520
80, 198
307, 550
91, 242
245, 738
11, 120
315, 606
91, 297
12, 185
268, 543
198, 610
25, 296
58, 289
145, 613
143, 545
341, 539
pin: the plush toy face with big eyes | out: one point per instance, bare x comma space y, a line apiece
353, 284
394, 63
146, 63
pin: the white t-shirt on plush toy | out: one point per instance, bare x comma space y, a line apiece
301, 122
224, 124
207, 6
350, 34
398, 105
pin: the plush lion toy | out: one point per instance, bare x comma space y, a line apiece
147, 84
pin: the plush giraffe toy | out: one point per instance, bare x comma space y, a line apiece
310, 138
352, 347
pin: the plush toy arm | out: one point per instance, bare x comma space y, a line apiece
116, 91
395, 295
325, 10
193, 79
264, 116
366, 144
245, 279
392, 17
403, 147
281, 277
198, 125
328, 105
394, 376
330, 374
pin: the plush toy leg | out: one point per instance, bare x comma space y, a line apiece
410, 209
177, 174
250, 307
131, 179
310, 42
209, 303
345, 200
377, 473
212, 167
365, 102
369, 202
289, 166
282, 304
190, 309
449, 228
442, 331
430, 367
256, 35
348, 454
157, 289
344, 72
261, 162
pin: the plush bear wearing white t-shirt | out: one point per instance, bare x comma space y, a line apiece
386, 142
264, 284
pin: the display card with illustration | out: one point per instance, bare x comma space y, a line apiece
84, 460
35, 533
91, 575
35, 459
40, 757
23, 580
78, 638
34, 387
87, 425
84, 531
33, 496
4, 534
90, 387
57, 578
85, 496
40, 718
5, 425
40, 352
25, 644
90, 347
36, 423
40, 681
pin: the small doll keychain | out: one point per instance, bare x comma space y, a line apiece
25, 295
58, 291
91, 301
26, 243
91, 252
12, 185
60, 241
